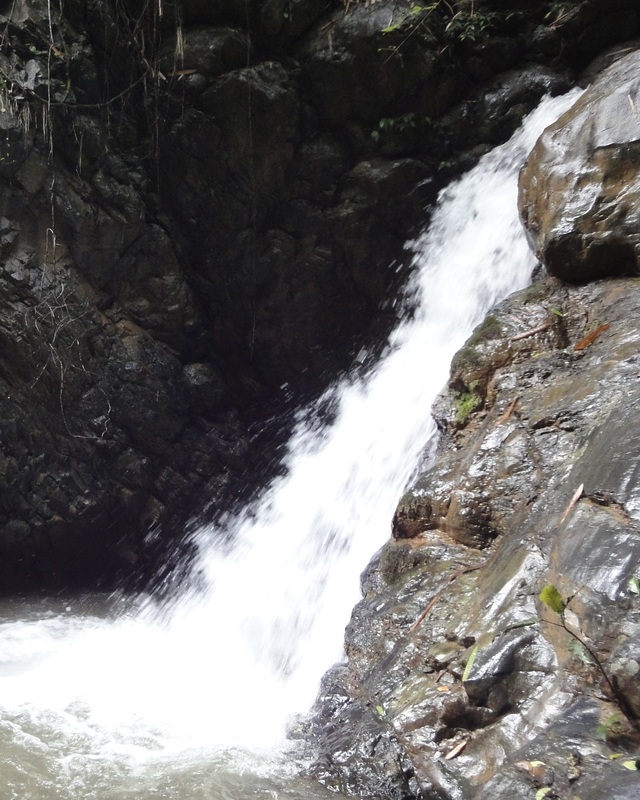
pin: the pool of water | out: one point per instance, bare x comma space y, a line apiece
56, 742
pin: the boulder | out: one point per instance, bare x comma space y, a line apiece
209, 51
488, 692
580, 188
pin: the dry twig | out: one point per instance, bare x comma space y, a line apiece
539, 329
439, 594
577, 495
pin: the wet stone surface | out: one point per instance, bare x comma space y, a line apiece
488, 691
579, 198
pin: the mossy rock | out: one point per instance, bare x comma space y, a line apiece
466, 404
469, 355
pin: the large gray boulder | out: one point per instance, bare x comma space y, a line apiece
580, 188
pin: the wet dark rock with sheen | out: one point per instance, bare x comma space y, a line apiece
451, 645
489, 691
580, 189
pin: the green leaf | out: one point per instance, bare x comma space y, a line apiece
469, 664
552, 598
630, 764
542, 792
557, 312
633, 585
380, 710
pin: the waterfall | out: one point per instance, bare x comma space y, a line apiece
109, 698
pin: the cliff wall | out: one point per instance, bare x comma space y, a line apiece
203, 213
495, 652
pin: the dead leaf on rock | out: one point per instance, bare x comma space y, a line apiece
456, 750
537, 769
590, 338
509, 410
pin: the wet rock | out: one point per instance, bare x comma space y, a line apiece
579, 188
207, 51
567, 759
513, 92
205, 386
625, 666
202, 202
478, 679
284, 21
379, 767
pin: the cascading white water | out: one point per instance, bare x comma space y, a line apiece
123, 702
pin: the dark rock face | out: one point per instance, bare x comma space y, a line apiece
580, 187
204, 202
103, 368
201, 205
451, 645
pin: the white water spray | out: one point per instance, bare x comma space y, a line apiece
225, 666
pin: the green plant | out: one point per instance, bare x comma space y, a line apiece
489, 328
551, 597
612, 726
471, 24
558, 12
416, 11
403, 123
473, 355
467, 403
439, 22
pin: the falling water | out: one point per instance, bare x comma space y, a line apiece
106, 699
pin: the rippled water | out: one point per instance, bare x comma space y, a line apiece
68, 672
102, 697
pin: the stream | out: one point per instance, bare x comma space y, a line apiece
111, 697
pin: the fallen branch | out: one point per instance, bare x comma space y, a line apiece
539, 329
509, 410
617, 695
577, 495
439, 594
